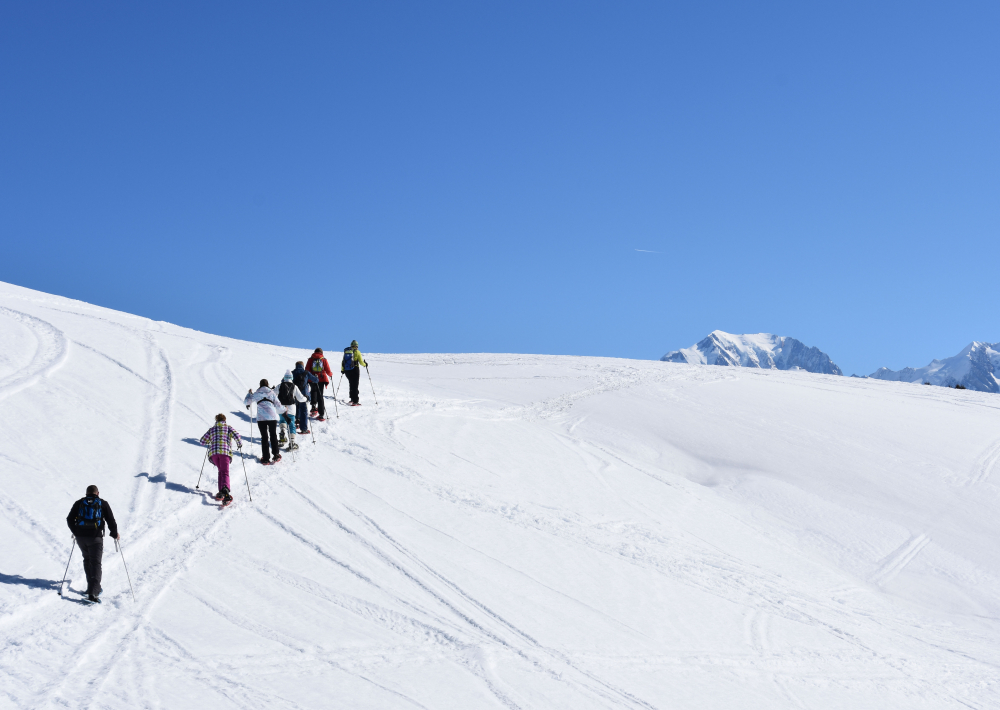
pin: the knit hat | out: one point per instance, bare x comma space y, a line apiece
354, 343
287, 377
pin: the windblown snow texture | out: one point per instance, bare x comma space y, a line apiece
977, 367
503, 531
762, 350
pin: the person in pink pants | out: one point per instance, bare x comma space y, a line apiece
217, 439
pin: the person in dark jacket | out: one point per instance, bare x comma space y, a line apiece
87, 519
301, 379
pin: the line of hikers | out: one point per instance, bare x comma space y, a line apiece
286, 407
282, 412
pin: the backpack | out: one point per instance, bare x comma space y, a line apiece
88, 517
299, 378
286, 393
317, 366
348, 360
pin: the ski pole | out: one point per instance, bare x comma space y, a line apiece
63, 582
118, 547
246, 477
373, 386
335, 407
337, 391
198, 487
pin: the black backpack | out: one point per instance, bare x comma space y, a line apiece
286, 393
88, 516
299, 378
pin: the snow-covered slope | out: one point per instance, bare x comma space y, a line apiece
976, 368
502, 531
762, 350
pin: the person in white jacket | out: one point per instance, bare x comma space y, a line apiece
288, 396
268, 409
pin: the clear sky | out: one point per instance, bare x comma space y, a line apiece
578, 177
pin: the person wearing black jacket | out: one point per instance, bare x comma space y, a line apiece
87, 520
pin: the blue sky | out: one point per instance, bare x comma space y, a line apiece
456, 177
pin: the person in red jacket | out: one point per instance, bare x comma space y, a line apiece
318, 366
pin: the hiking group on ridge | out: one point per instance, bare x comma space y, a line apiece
284, 409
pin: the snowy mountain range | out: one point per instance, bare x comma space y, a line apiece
761, 350
976, 368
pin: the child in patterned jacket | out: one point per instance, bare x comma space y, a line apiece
217, 439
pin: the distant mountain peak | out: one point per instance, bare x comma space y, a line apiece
760, 350
976, 367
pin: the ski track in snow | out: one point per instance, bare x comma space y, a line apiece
899, 559
418, 615
985, 464
50, 354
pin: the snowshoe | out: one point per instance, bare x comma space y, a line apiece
227, 500
276, 460
93, 598
320, 419
293, 446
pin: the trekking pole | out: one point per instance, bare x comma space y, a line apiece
373, 386
198, 487
337, 391
118, 547
335, 407
63, 582
245, 476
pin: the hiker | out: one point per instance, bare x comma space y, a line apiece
301, 379
351, 366
268, 408
318, 365
86, 520
217, 439
289, 395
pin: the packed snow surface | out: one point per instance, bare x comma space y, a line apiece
762, 350
977, 367
502, 531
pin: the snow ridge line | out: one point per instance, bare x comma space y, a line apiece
51, 354
900, 558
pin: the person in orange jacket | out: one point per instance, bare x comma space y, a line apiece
318, 366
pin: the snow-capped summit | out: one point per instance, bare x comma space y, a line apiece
763, 350
977, 367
